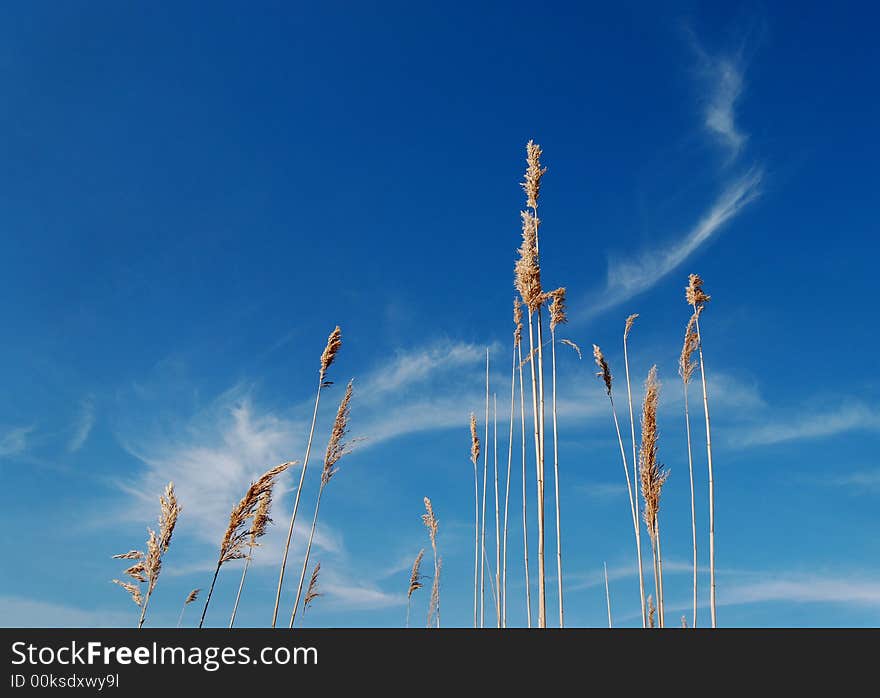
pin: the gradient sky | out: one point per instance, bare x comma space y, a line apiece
191, 199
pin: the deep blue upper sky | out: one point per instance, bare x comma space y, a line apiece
191, 199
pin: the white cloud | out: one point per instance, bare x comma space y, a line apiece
14, 441
83, 424
724, 77
627, 278
20, 612
809, 425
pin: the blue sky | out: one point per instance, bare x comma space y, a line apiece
190, 201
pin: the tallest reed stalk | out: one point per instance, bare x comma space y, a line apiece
686, 367
334, 342
557, 317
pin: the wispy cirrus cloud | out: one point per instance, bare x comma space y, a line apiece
14, 441
83, 424
803, 425
721, 78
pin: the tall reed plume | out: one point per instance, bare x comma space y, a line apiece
697, 299
653, 476
557, 317
635, 464
192, 596
337, 447
260, 524
145, 571
432, 524
605, 375
238, 531
415, 582
528, 282
686, 367
328, 356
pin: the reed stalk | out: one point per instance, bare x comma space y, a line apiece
415, 582
697, 299
475, 457
336, 449
509, 464
192, 596
334, 343
432, 524
607, 595
686, 367
557, 317
497, 516
525, 528
259, 527
483, 524
635, 464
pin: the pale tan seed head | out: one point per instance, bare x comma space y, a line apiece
573, 346
130, 555
651, 610
686, 363
336, 447
137, 572
430, 521
475, 441
604, 372
652, 475
334, 343
416, 575
312, 592
527, 269
169, 511
237, 532
153, 561
629, 323
534, 173
557, 308
517, 321
694, 292
261, 517
133, 590
192, 596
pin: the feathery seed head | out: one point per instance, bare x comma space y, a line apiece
430, 520
534, 173
517, 321
132, 589
334, 342
261, 517
312, 592
193, 595
527, 268
169, 511
629, 323
694, 292
336, 447
130, 555
416, 574
686, 364
604, 372
475, 441
651, 610
237, 533
573, 346
557, 308
652, 474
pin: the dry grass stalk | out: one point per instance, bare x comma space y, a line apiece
192, 596
483, 518
312, 592
328, 356
432, 524
632, 427
607, 595
604, 374
434, 607
237, 531
517, 337
653, 476
148, 565
525, 528
336, 449
697, 299
686, 367
475, 457
259, 526
415, 581
497, 516
528, 283
557, 317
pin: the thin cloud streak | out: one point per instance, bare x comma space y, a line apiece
815, 425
